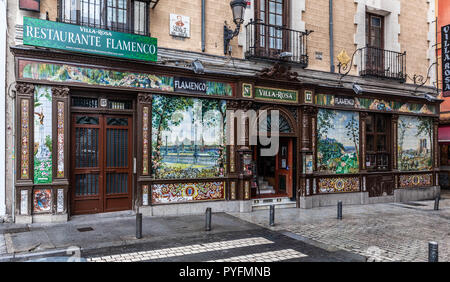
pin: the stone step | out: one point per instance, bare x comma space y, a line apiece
280, 203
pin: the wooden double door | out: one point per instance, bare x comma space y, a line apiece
101, 151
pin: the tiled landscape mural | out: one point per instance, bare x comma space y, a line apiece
104, 77
338, 141
188, 137
42, 135
414, 143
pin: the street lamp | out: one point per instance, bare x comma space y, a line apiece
238, 8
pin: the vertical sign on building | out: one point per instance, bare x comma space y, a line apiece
445, 35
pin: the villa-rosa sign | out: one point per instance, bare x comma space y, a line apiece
280, 95
76, 38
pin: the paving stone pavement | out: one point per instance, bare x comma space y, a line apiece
382, 232
257, 245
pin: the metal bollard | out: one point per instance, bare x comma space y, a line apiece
433, 253
436, 203
138, 225
208, 219
272, 215
339, 210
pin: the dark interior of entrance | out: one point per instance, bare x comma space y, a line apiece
274, 174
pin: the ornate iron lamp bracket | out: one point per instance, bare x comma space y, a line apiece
345, 68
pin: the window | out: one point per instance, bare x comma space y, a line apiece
271, 13
374, 31
118, 15
377, 142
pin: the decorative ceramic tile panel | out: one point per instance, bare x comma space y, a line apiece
145, 140
23, 202
416, 180
233, 190
247, 189
95, 76
25, 136
42, 200
60, 201
145, 195
338, 184
60, 133
415, 142
43, 166
187, 192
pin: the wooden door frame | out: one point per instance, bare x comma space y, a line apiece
130, 160
286, 24
290, 160
73, 162
132, 113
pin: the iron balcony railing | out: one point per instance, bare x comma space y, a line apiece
382, 63
276, 43
110, 26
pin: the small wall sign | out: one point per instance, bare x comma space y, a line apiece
30, 5
308, 96
280, 95
180, 25
445, 35
344, 101
247, 90
191, 85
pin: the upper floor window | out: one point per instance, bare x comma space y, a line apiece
272, 14
119, 15
375, 31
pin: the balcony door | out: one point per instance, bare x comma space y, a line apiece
271, 33
375, 45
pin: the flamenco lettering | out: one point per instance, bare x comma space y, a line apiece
88, 39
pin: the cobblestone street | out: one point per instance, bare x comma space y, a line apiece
382, 232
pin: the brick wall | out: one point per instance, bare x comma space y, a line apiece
412, 38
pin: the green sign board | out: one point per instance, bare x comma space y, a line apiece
280, 95
77, 38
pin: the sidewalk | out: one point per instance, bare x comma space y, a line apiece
106, 230
382, 232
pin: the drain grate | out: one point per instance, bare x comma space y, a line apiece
85, 229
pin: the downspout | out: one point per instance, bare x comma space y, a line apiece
203, 25
331, 37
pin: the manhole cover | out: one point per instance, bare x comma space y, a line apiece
85, 229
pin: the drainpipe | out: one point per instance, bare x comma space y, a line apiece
331, 37
203, 25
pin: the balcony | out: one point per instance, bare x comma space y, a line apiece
380, 63
276, 43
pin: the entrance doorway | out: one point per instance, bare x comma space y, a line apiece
101, 151
274, 174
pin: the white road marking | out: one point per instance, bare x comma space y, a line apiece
182, 251
265, 257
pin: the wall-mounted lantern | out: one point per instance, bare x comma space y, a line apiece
238, 8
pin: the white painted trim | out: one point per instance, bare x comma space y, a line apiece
431, 56
390, 9
3, 27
